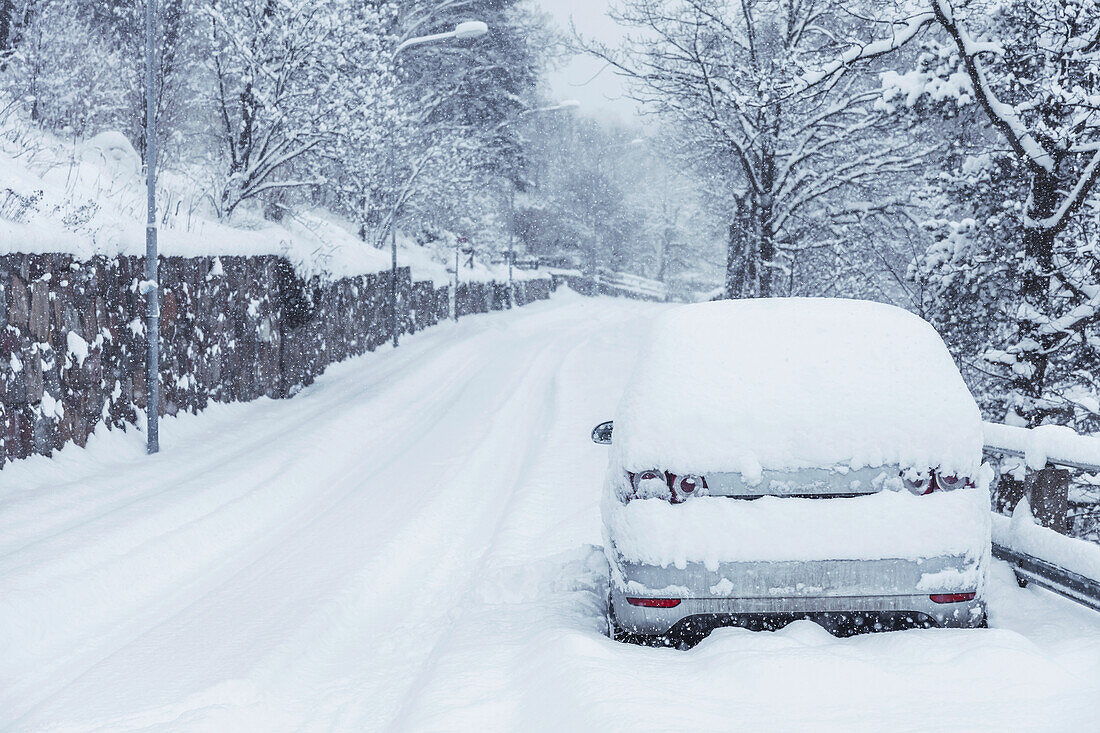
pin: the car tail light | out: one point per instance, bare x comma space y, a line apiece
921, 485
651, 483
952, 597
654, 483
947, 483
686, 486
918, 483
654, 602
649, 475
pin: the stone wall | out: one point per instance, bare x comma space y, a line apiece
72, 335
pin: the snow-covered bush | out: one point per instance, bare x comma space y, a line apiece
65, 74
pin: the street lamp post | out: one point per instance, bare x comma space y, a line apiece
459, 241
511, 243
151, 287
463, 31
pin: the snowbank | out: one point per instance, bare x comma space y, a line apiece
1022, 534
795, 383
713, 530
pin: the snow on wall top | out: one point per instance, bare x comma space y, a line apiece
88, 199
790, 383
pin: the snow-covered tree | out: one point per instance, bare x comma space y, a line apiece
64, 71
1031, 66
475, 87
12, 14
788, 158
574, 205
121, 25
81, 66
371, 126
273, 85
1034, 71
468, 102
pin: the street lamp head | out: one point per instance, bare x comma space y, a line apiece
470, 29
570, 104
464, 30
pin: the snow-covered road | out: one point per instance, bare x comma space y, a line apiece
412, 544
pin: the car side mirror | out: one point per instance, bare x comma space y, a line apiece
602, 433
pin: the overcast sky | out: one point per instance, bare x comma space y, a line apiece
584, 78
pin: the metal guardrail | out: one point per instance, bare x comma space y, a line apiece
1013, 441
1068, 463
1030, 569
997, 443
631, 285
615, 284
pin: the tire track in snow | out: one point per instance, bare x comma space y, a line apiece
547, 481
534, 444
436, 520
142, 617
405, 393
243, 441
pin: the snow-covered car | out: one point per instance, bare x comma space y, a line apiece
794, 458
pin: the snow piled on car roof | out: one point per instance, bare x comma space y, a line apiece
789, 383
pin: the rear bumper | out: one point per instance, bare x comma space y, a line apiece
862, 590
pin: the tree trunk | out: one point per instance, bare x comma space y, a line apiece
1034, 293
740, 249
7, 30
750, 249
765, 205
766, 249
734, 247
666, 253
1048, 495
